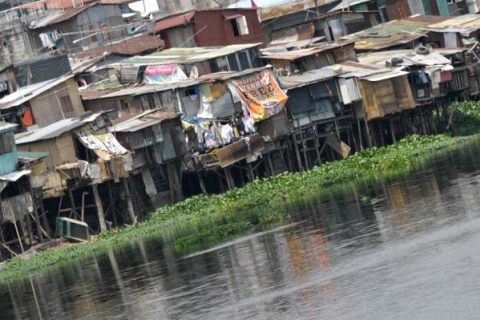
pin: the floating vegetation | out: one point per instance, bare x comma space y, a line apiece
262, 202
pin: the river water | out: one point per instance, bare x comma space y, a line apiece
402, 249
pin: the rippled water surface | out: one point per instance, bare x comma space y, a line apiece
403, 249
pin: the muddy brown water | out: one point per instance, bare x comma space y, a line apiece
402, 249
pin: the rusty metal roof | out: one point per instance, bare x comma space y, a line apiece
306, 78
297, 54
173, 21
58, 16
134, 45
393, 33
465, 25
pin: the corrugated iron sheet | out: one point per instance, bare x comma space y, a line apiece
269, 54
16, 207
59, 16
464, 25
187, 55
393, 33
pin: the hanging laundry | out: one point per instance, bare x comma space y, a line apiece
248, 124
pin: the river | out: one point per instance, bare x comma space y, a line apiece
402, 249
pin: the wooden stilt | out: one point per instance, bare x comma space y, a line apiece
304, 150
72, 202
46, 225
317, 147
251, 172
229, 178
297, 152
128, 196
369, 136
270, 164
112, 204
36, 217
359, 128
201, 181
381, 129
392, 130
100, 213
17, 232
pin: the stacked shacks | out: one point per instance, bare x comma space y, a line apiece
218, 108
20, 223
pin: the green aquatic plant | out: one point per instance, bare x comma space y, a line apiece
211, 237
202, 218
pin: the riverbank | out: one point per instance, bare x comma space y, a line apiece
259, 202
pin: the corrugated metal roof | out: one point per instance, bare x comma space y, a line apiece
345, 4
173, 21
187, 55
54, 130
137, 44
5, 126
297, 54
24, 94
58, 16
25, 156
4, 66
465, 24
306, 78
385, 75
134, 90
393, 33
409, 58
143, 121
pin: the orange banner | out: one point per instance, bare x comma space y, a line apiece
262, 94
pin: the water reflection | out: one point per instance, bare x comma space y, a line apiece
367, 252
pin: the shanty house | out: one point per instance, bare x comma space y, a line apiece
159, 146
42, 103
461, 31
385, 93
192, 61
400, 9
208, 28
82, 27
308, 19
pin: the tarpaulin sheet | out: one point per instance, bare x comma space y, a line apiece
262, 94
163, 73
105, 145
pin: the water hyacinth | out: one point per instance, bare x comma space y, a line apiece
262, 202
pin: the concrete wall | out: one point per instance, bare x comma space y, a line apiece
14, 42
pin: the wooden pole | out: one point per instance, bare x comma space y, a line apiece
128, 196
369, 136
72, 202
229, 178
17, 231
35, 213
392, 130
297, 152
100, 213
201, 181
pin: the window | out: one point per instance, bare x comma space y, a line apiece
66, 104
6, 145
239, 26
